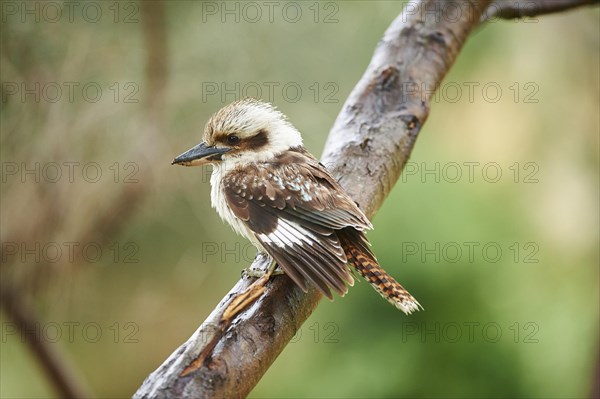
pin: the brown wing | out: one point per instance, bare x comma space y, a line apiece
294, 207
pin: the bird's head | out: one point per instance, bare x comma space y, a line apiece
244, 131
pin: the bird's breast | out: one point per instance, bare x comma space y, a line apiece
218, 201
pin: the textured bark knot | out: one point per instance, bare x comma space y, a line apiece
438, 37
365, 143
412, 123
211, 379
266, 324
388, 79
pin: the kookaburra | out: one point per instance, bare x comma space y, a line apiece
276, 194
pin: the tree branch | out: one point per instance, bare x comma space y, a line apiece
510, 9
367, 147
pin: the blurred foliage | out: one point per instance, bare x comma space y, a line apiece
493, 326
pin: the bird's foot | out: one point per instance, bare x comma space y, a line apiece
261, 260
258, 273
253, 292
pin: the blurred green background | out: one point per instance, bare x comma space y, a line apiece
506, 266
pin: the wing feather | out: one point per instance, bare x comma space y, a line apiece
294, 208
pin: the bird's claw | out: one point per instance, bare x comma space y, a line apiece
258, 273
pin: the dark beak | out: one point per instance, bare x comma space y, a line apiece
199, 155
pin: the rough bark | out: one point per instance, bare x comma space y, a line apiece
367, 147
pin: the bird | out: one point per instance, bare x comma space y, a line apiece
273, 192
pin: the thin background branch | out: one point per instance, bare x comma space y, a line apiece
58, 368
17, 292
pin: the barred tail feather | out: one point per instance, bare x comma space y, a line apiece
362, 259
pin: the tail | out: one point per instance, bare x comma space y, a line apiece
359, 256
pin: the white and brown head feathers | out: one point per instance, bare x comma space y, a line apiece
255, 131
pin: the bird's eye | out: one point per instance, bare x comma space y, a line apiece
232, 139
